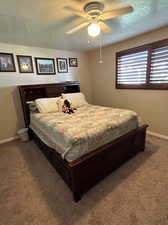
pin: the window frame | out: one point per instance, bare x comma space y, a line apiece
149, 47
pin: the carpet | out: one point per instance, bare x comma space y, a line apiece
32, 192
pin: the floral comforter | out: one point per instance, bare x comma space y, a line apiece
89, 128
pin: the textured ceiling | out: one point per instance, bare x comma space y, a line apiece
43, 23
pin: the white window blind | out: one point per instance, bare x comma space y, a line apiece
143, 67
132, 68
159, 65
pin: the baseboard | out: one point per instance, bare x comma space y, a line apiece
8, 140
161, 136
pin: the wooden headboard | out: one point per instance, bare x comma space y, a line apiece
32, 92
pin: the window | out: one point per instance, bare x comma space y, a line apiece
144, 67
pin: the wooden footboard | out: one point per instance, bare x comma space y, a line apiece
82, 174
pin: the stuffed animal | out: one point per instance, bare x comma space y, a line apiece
66, 108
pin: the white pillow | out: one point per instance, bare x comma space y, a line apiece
76, 99
47, 105
60, 104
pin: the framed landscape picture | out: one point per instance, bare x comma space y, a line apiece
73, 62
62, 65
45, 66
25, 64
7, 63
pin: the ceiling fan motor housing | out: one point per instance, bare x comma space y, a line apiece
94, 9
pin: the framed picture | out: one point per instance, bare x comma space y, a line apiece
25, 64
45, 66
7, 63
73, 62
62, 65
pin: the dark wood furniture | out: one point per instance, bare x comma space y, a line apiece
82, 174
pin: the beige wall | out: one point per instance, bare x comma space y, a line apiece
97, 82
152, 105
11, 117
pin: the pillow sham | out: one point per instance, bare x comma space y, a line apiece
76, 99
47, 105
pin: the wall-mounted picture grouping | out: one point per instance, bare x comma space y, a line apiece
44, 66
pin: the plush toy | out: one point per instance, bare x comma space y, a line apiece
66, 108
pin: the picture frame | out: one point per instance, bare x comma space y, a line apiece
73, 62
7, 63
45, 66
62, 65
25, 64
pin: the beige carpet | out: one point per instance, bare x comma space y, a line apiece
32, 193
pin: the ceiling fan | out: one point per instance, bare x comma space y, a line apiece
94, 15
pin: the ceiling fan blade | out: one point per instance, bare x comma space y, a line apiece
117, 12
105, 28
78, 27
74, 11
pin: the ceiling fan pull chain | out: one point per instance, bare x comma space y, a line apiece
88, 40
100, 48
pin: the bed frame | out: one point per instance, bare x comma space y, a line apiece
82, 174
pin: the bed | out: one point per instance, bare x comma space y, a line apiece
84, 162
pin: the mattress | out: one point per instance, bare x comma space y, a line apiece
90, 127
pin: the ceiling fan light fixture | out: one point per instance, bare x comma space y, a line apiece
94, 29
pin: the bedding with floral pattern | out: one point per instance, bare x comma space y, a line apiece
90, 127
